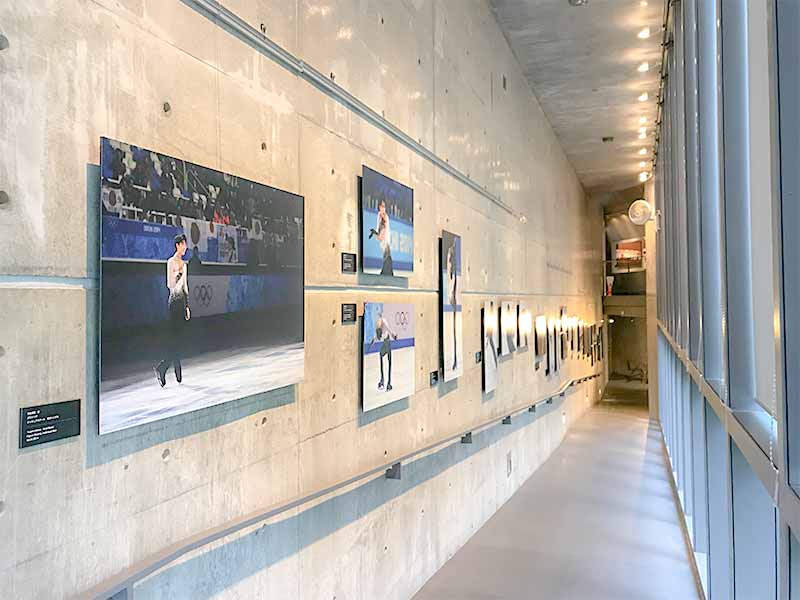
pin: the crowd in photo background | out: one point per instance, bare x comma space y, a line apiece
225, 218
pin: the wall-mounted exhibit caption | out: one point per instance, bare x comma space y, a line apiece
49, 422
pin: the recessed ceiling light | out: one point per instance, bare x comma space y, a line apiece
643, 3
642, 136
642, 129
644, 176
644, 67
642, 165
644, 33
643, 152
642, 120
644, 97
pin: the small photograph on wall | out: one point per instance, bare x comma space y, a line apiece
525, 320
451, 321
491, 341
202, 287
508, 321
554, 344
388, 371
628, 256
387, 225
541, 335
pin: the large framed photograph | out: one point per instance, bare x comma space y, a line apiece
202, 287
490, 333
387, 225
508, 322
451, 314
387, 372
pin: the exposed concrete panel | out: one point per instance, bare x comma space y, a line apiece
581, 63
76, 512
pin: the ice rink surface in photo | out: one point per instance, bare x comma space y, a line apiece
208, 380
402, 378
449, 372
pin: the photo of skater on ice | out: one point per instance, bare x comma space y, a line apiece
451, 318
388, 353
387, 225
202, 287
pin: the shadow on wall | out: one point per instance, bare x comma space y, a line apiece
101, 450
201, 576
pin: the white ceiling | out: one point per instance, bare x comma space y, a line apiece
581, 62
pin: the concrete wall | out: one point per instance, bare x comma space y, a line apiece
75, 512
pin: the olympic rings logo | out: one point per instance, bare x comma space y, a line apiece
204, 294
401, 318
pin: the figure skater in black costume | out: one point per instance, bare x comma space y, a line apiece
384, 335
178, 310
383, 232
451, 271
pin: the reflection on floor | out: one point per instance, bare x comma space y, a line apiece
596, 522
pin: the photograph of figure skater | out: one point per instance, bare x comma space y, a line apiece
383, 234
387, 225
491, 341
525, 325
451, 317
508, 321
388, 353
231, 249
178, 311
383, 335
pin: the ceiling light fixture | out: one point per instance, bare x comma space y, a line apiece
644, 97
643, 152
642, 120
644, 67
642, 165
644, 176
643, 3
644, 33
642, 136
642, 129
578, 2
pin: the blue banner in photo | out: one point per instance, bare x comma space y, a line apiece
124, 238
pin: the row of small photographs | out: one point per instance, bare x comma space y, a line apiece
508, 326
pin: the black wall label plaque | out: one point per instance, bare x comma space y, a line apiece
349, 313
49, 422
434, 378
478, 356
348, 262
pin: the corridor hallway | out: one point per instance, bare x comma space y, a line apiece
596, 522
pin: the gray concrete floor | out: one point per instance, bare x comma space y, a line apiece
596, 521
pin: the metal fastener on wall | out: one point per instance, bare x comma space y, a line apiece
395, 471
